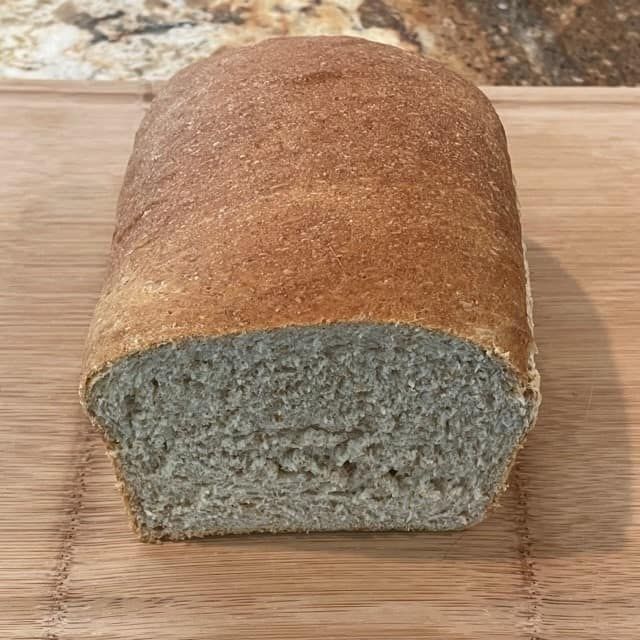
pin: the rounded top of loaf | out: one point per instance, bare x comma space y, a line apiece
314, 180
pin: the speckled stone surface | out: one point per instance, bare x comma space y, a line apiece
563, 42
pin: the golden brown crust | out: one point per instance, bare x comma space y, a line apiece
315, 180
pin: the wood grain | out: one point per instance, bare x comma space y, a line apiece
560, 558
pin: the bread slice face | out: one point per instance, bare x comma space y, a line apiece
333, 427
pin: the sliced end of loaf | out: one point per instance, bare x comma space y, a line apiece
329, 427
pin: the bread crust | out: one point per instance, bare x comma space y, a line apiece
314, 180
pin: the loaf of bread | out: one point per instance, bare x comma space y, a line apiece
316, 315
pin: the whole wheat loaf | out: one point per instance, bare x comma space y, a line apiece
316, 315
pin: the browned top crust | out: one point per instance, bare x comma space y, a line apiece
315, 180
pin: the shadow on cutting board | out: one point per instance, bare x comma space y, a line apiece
569, 491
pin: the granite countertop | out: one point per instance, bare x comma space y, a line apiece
563, 42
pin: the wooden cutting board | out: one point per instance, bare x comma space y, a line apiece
559, 559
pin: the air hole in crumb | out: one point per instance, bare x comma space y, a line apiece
349, 467
169, 313
130, 403
282, 472
392, 472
